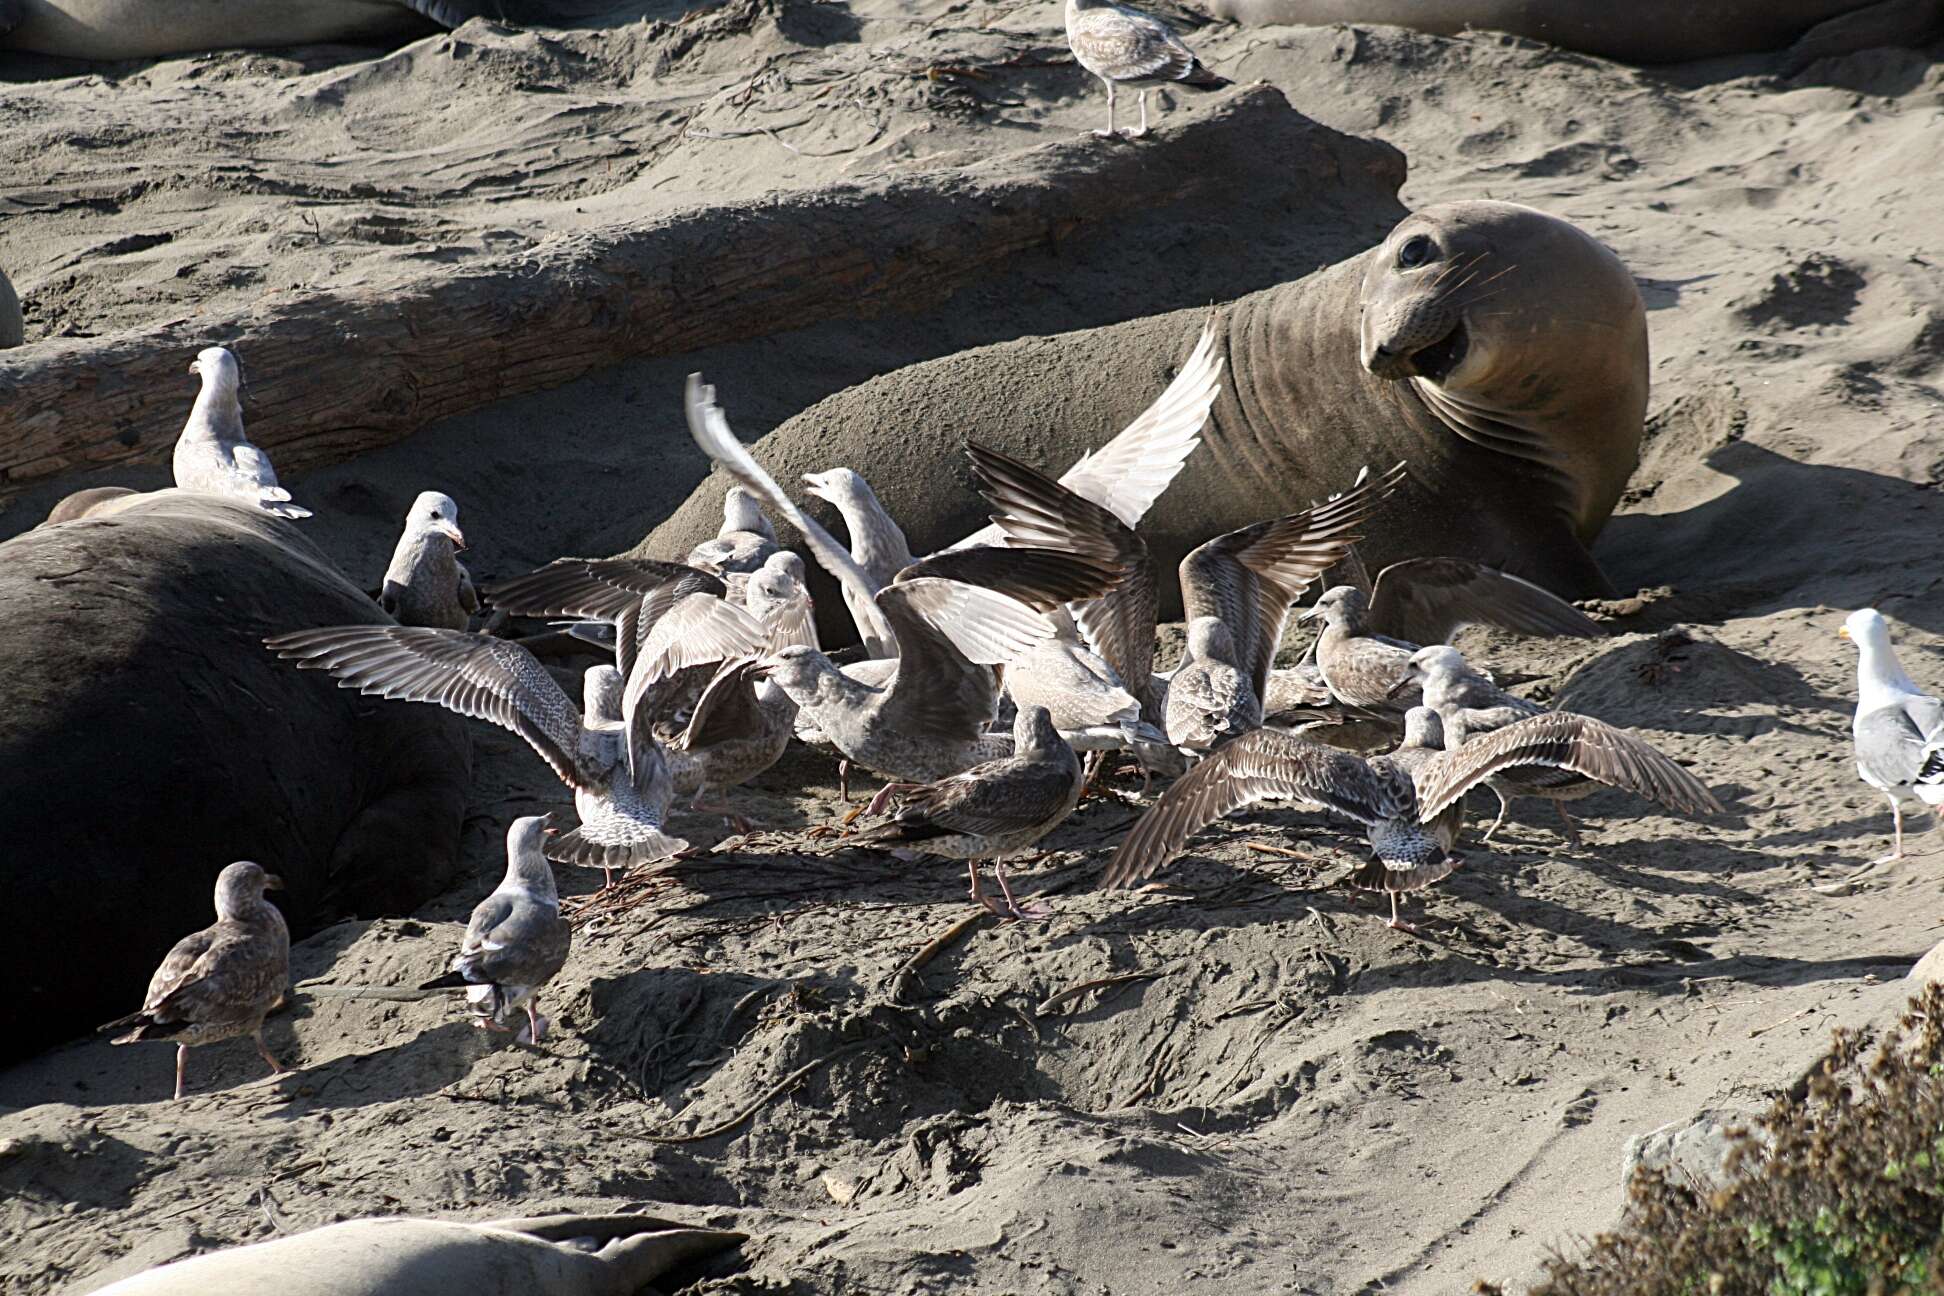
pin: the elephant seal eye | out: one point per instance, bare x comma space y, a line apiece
1415, 252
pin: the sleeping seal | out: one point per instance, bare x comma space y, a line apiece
553, 1255
147, 740
13, 326
1500, 352
1649, 31
131, 29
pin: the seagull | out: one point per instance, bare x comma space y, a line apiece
213, 455
1899, 732
992, 810
220, 982
607, 755
1405, 800
426, 584
516, 941
877, 542
1518, 748
1237, 591
1272, 765
1125, 46
1365, 649
744, 542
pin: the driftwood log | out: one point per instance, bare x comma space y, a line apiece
336, 372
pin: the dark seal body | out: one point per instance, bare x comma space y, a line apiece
147, 739
1517, 384
1652, 31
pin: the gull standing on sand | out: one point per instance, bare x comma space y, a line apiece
1237, 591
426, 584
1518, 748
608, 755
213, 455
1365, 649
992, 810
1125, 46
516, 941
1272, 765
1898, 730
219, 983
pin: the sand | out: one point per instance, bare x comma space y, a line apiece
1293, 1098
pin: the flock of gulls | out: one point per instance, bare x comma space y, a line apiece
997, 676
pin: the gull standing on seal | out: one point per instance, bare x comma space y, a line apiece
1237, 591
1898, 730
1518, 748
213, 455
745, 541
220, 982
426, 584
1123, 45
993, 810
516, 941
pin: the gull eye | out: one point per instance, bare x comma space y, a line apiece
1415, 252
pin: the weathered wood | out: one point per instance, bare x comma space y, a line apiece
334, 372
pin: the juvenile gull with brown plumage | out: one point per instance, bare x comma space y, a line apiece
1364, 651
516, 941
993, 810
220, 982
745, 541
426, 584
1237, 591
1271, 765
1123, 46
1518, 748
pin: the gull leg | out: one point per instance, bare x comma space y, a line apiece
1396, 922
843, 778
182, 1061
1013, 907
1572, 833
1896, 823
536, 1024
979, 897
1109, 132
1504, 806
276, 1067
1142, 129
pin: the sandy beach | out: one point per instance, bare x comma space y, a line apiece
1267, 1088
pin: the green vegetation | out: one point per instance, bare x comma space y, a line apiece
1837, 1191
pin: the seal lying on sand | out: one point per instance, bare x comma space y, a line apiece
147, 740
13, 326
1655, 31
130, 29
1499, 352
552, 1255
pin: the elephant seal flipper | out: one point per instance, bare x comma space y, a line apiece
396, 1256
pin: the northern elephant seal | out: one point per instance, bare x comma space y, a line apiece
1653, 31
131, 29
554, 1255
96, 501
1500, 352
147, 739
13, 325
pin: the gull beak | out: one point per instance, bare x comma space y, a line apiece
1310, 613
1403, 686
273, 882
195, 366
451, 531
1843, 632
817, 487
